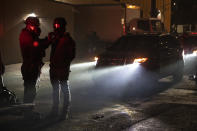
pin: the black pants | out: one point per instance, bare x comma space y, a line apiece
30, 77
63, 84
29, 91
1, 83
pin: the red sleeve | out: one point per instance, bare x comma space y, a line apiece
2, 67
26, 44
70, 48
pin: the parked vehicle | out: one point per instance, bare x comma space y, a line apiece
189, 44
158, 54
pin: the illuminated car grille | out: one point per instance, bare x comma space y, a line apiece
111, 62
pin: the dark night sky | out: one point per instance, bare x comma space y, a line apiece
184, 12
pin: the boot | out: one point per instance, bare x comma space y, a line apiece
65, 113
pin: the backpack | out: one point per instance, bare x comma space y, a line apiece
7, 97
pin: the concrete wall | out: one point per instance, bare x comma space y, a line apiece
12, 15
104, 20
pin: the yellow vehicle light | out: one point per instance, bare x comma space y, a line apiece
95, 58
140, 60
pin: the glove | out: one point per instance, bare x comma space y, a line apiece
51, 36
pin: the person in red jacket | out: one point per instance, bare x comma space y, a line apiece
62, 54
32, 51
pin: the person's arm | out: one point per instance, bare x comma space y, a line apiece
44, 43
2, 67
71, 47
26, 44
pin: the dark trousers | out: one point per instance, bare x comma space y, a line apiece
1, 83
30, 76
63, 84
29, 91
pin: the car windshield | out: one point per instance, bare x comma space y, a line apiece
144, 25
135, 43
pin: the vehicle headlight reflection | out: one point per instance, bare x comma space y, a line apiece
139, 60
96, 58
192, 54
114, 76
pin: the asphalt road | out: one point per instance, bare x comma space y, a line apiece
109, 104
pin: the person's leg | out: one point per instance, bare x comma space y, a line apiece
29, 91
1, 83
56, 96
30, 78
67, 98
29, 96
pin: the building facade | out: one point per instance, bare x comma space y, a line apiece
164, 6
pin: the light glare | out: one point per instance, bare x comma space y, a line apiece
132, 7
83, 65
30, 15
95, 58
140, 60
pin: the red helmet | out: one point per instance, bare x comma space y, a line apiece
34, 21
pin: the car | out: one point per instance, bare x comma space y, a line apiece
189, 44
158, 54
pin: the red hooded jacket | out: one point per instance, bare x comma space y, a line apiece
62, 54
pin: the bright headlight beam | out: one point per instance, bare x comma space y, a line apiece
83, 65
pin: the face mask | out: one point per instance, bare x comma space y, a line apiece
32, 28
57, 26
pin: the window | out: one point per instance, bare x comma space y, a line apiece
156, 26
143, 25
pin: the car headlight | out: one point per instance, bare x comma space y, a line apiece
139, 60
194, 52
191, 53
95, 58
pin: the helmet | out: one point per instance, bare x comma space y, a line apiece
59, 22
34, 21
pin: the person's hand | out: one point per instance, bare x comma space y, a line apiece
51, 36
2, 69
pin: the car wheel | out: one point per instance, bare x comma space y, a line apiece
178, 75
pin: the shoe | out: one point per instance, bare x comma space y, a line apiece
64, 115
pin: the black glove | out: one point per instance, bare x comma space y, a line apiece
51, 36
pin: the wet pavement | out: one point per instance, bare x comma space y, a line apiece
167, 106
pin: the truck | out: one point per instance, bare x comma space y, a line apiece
145, 25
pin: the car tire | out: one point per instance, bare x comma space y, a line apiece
178, 75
